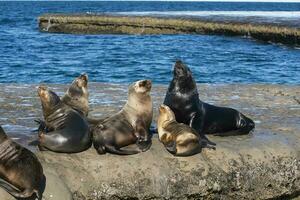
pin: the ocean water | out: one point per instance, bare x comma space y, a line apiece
28, 56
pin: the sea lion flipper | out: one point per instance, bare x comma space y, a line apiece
205, 139
237, 132
143, 136
193, 115
15, 191
144, 145
114, 150
93, 122
42, 126
140, 131
101, 150
171, 147
205, 144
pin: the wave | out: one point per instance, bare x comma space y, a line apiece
267, 14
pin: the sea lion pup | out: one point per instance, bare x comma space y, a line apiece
64, 130
21, 173
178, 138
129, 126
183, 98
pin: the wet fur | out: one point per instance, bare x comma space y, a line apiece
21, 173
64, 130
183, 98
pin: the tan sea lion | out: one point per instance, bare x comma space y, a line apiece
178, 138
77, 95
65, 130
21, 173
129, 126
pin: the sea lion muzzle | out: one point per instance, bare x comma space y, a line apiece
145, 83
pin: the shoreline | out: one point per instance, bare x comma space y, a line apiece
118, 24
20, 105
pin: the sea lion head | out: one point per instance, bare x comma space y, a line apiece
181, 70
165, 113
79, 86
183, 80
77, 94
140, 88
81, 81
49, 99
245, 123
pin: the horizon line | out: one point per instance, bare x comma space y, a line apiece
217, 1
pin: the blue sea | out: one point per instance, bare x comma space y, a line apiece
29, 56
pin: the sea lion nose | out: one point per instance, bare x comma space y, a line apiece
41, 89
179, 69
84, 77
148, 83
145, 83
162, 107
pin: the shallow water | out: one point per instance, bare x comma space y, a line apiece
28, 56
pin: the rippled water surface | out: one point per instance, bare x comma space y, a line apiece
28, 56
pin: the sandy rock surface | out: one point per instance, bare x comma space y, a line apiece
262, 165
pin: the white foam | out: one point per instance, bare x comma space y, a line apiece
268, 14
234, 97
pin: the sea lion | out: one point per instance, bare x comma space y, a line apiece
21, 173
129, 126
178, 138
64, 130
77, 95
183, 98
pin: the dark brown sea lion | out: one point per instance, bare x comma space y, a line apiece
178, 138
129, 126
64, 130
183, 98
21, 173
